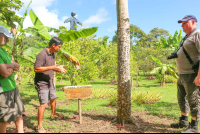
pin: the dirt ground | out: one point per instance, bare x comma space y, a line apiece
95, 123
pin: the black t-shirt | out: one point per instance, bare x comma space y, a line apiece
44, 80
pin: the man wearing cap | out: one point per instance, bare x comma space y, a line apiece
11, 105
188, 92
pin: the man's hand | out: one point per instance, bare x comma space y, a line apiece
58, 68
197, 80
15, 66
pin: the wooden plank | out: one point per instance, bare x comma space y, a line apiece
78, 92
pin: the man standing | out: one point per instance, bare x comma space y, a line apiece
188, 92
11, 105
44, 71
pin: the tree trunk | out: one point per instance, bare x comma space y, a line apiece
163, 79
123, 41
22, 47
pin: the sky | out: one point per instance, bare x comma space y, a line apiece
146, 14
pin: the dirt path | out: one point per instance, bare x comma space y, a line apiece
96, 123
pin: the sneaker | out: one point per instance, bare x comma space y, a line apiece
191, 129
41, 129
59, 116
180, 124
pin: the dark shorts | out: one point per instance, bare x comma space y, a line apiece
46, 95
188, 94
11, 105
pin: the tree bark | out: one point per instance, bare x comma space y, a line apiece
123, 41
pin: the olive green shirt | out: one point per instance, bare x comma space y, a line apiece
192, 46
6, 84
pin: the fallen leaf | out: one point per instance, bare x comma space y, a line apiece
107, 121
121, 127
110, 105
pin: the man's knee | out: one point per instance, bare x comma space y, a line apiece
43, 105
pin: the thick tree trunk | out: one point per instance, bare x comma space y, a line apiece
123, 41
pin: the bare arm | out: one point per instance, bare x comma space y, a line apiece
5, 71
43, 69
55, 68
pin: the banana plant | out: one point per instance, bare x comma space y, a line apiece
162, 69
172, 42
40, 30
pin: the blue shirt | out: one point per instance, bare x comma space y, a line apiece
73, 22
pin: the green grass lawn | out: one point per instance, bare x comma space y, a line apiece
167, 106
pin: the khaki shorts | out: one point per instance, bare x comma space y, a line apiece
11, 105
46, 95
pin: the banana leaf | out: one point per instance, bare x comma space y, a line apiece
74, 35
156, 60
39, 26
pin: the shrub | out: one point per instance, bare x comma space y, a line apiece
170, 79
103, 93
145, 97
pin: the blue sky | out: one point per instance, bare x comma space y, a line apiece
145, 14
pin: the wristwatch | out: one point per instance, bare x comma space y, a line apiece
15, 65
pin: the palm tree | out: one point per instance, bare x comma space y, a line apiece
162, 69
123, 41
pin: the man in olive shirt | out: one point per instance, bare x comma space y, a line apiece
44, 71
11, 105
188, 92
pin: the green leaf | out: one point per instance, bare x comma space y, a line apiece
74, 35
39, 26
32, 51
173, 73
155, 70
156, 60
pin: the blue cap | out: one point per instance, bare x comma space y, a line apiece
188, 17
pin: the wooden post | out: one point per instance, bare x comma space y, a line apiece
78, 92
79, 111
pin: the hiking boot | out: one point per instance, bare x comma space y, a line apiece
191, 129
180, 124
41, 129
59, 116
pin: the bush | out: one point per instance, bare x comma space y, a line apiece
103, 93
140, 97
170, 79
145, 97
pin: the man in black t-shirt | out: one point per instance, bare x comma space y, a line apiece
44, 71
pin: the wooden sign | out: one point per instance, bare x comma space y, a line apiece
78, 92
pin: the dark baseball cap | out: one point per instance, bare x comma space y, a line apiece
188, 17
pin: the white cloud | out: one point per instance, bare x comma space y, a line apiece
48, 18
112, 28
100, 17
36, 3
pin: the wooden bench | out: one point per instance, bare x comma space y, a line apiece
78, 92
